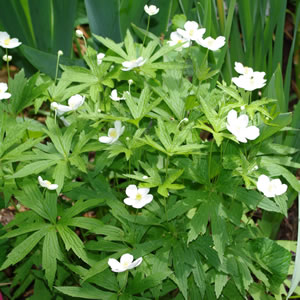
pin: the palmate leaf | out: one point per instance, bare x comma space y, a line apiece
19, 252
272, 258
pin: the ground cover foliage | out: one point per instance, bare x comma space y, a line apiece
166, 130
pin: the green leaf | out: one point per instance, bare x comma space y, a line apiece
51, 253
33, 168
296, 272
20, 251
72, 241
272, 258
46, 62
181, 270
87, 291
104, 18
140, 284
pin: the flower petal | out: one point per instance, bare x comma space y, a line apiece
243, 121
105, 139
115, 265
232, 117
131, 190
262, 182
143, 191
53, 186
252, 132
136, 263
126, 259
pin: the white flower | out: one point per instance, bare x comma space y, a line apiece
250, 83
238, 126
3, 89
60, 53
151, 10
76, 101
100, 56
270, 188
138, 198
243, 70
114, 96
191, 31
126, 263
113, 133
79, 33
7, 57
129, 65
47, 184
7, 42
59, 108
212, 44
176, 38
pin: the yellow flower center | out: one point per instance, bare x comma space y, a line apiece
138, 197
1, 92
191, 32
210, 42
48, 183
246, 70
113, 133
7, 41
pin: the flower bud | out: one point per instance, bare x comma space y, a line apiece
59, 53
7, 57
79, 33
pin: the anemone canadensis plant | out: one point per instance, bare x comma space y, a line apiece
208, 155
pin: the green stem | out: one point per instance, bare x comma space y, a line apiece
167, 165
148, 24
209, 160
7, 63
56, 71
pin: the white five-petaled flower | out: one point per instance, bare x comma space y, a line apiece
191, 31
250, 82
114, 96
3, 89
270, 187
129, 65
138, 198
100, 57
212, 44
176, 38
238, 126
151, 10
239, 68
73, 103
113, 133
126, 263
7, 42
47, 184
7, 57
